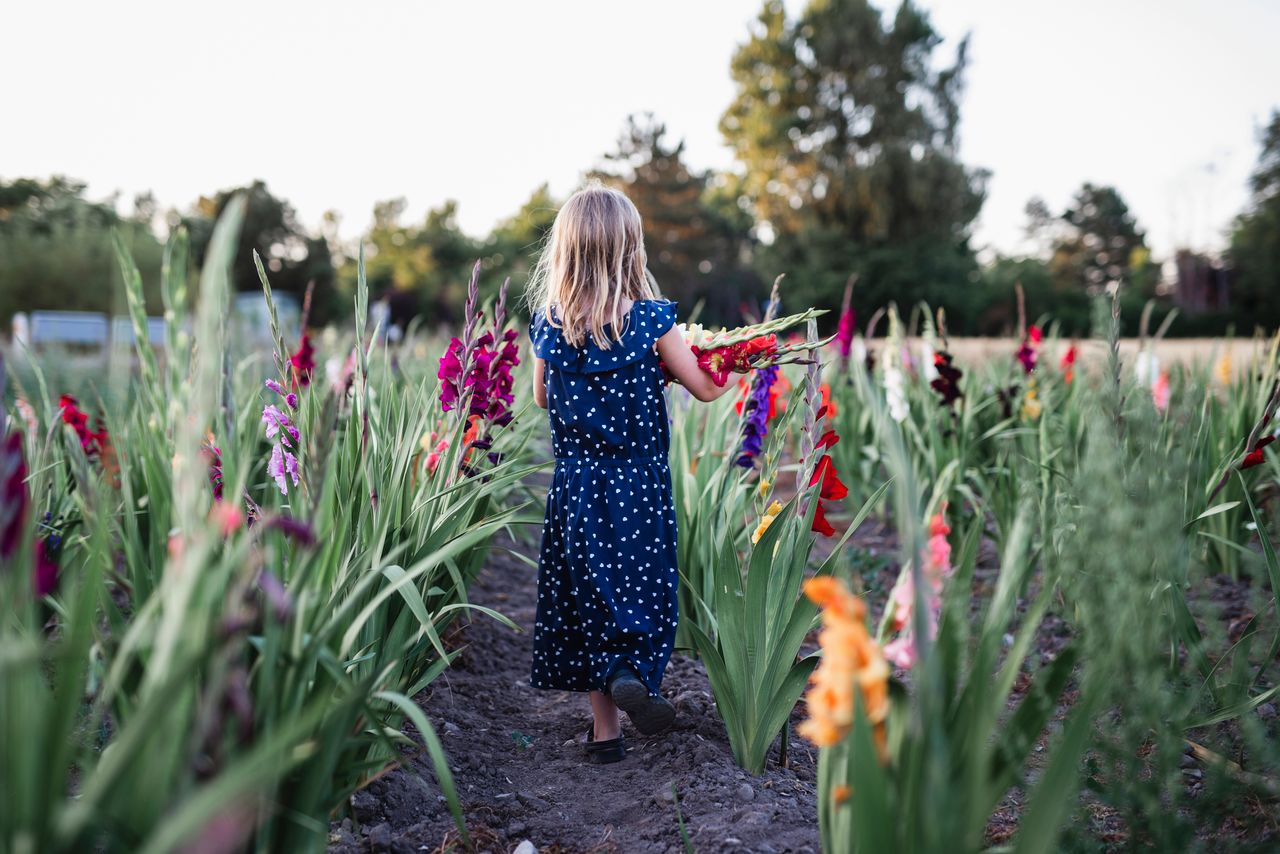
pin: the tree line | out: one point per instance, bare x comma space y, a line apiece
845, 127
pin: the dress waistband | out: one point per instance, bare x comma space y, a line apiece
610, 461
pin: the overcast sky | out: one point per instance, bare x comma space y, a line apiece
338, 105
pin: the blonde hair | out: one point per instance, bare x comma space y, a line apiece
593, 262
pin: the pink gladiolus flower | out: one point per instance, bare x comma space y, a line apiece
1160, 391
901, 651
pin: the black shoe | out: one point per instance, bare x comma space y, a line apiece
604, 752
650, 714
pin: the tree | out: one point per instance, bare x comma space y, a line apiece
694, 248
514, 244
848, 136
423, 270
1099, 244
1255, 239
292, 258
56, 250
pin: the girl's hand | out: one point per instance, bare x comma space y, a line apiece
679, 360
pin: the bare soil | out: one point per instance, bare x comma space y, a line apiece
521, 772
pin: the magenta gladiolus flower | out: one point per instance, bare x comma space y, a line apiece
845, 332
451, 372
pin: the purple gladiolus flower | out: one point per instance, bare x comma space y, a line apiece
290, 399
755, 422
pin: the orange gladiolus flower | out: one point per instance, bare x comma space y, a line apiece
851, 660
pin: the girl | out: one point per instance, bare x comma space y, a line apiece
606, 618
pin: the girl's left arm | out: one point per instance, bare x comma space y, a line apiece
539, 382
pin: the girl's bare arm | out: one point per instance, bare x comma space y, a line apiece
680, 361
539, 382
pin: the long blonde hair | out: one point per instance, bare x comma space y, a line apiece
593, 262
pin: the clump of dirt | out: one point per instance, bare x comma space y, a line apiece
521, 773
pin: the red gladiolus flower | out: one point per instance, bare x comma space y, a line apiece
91, 441
303, 362
820, 523
828, 439
1255, 457
825, 472
1035, 334
1069, 364
716, 363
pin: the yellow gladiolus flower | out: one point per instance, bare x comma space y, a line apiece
1031, 406
765, 521
850, 659
764, 488
1222, 371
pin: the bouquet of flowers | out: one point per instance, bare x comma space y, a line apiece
747, 348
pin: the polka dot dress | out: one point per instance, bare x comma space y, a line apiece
607, 567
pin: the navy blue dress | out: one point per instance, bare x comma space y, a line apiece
607, 568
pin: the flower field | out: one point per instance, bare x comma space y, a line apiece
934, 598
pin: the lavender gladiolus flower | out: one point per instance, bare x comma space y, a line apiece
282, 468
277, 422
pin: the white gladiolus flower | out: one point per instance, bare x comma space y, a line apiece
927, 367
1146, 367
895, 393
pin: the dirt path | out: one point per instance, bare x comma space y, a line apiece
521, 774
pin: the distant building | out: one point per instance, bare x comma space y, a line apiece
1203, 284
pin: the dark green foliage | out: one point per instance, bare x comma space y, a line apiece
56, 250
849, 138
293, 258
695, 235
1255, 242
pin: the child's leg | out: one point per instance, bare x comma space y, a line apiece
606, 716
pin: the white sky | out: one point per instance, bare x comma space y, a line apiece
338, 105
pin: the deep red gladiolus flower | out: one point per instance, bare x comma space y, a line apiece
825, 472
44, 577
947, 383
828, 439
820, 523
1256, 457
303, 362
1035, 334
